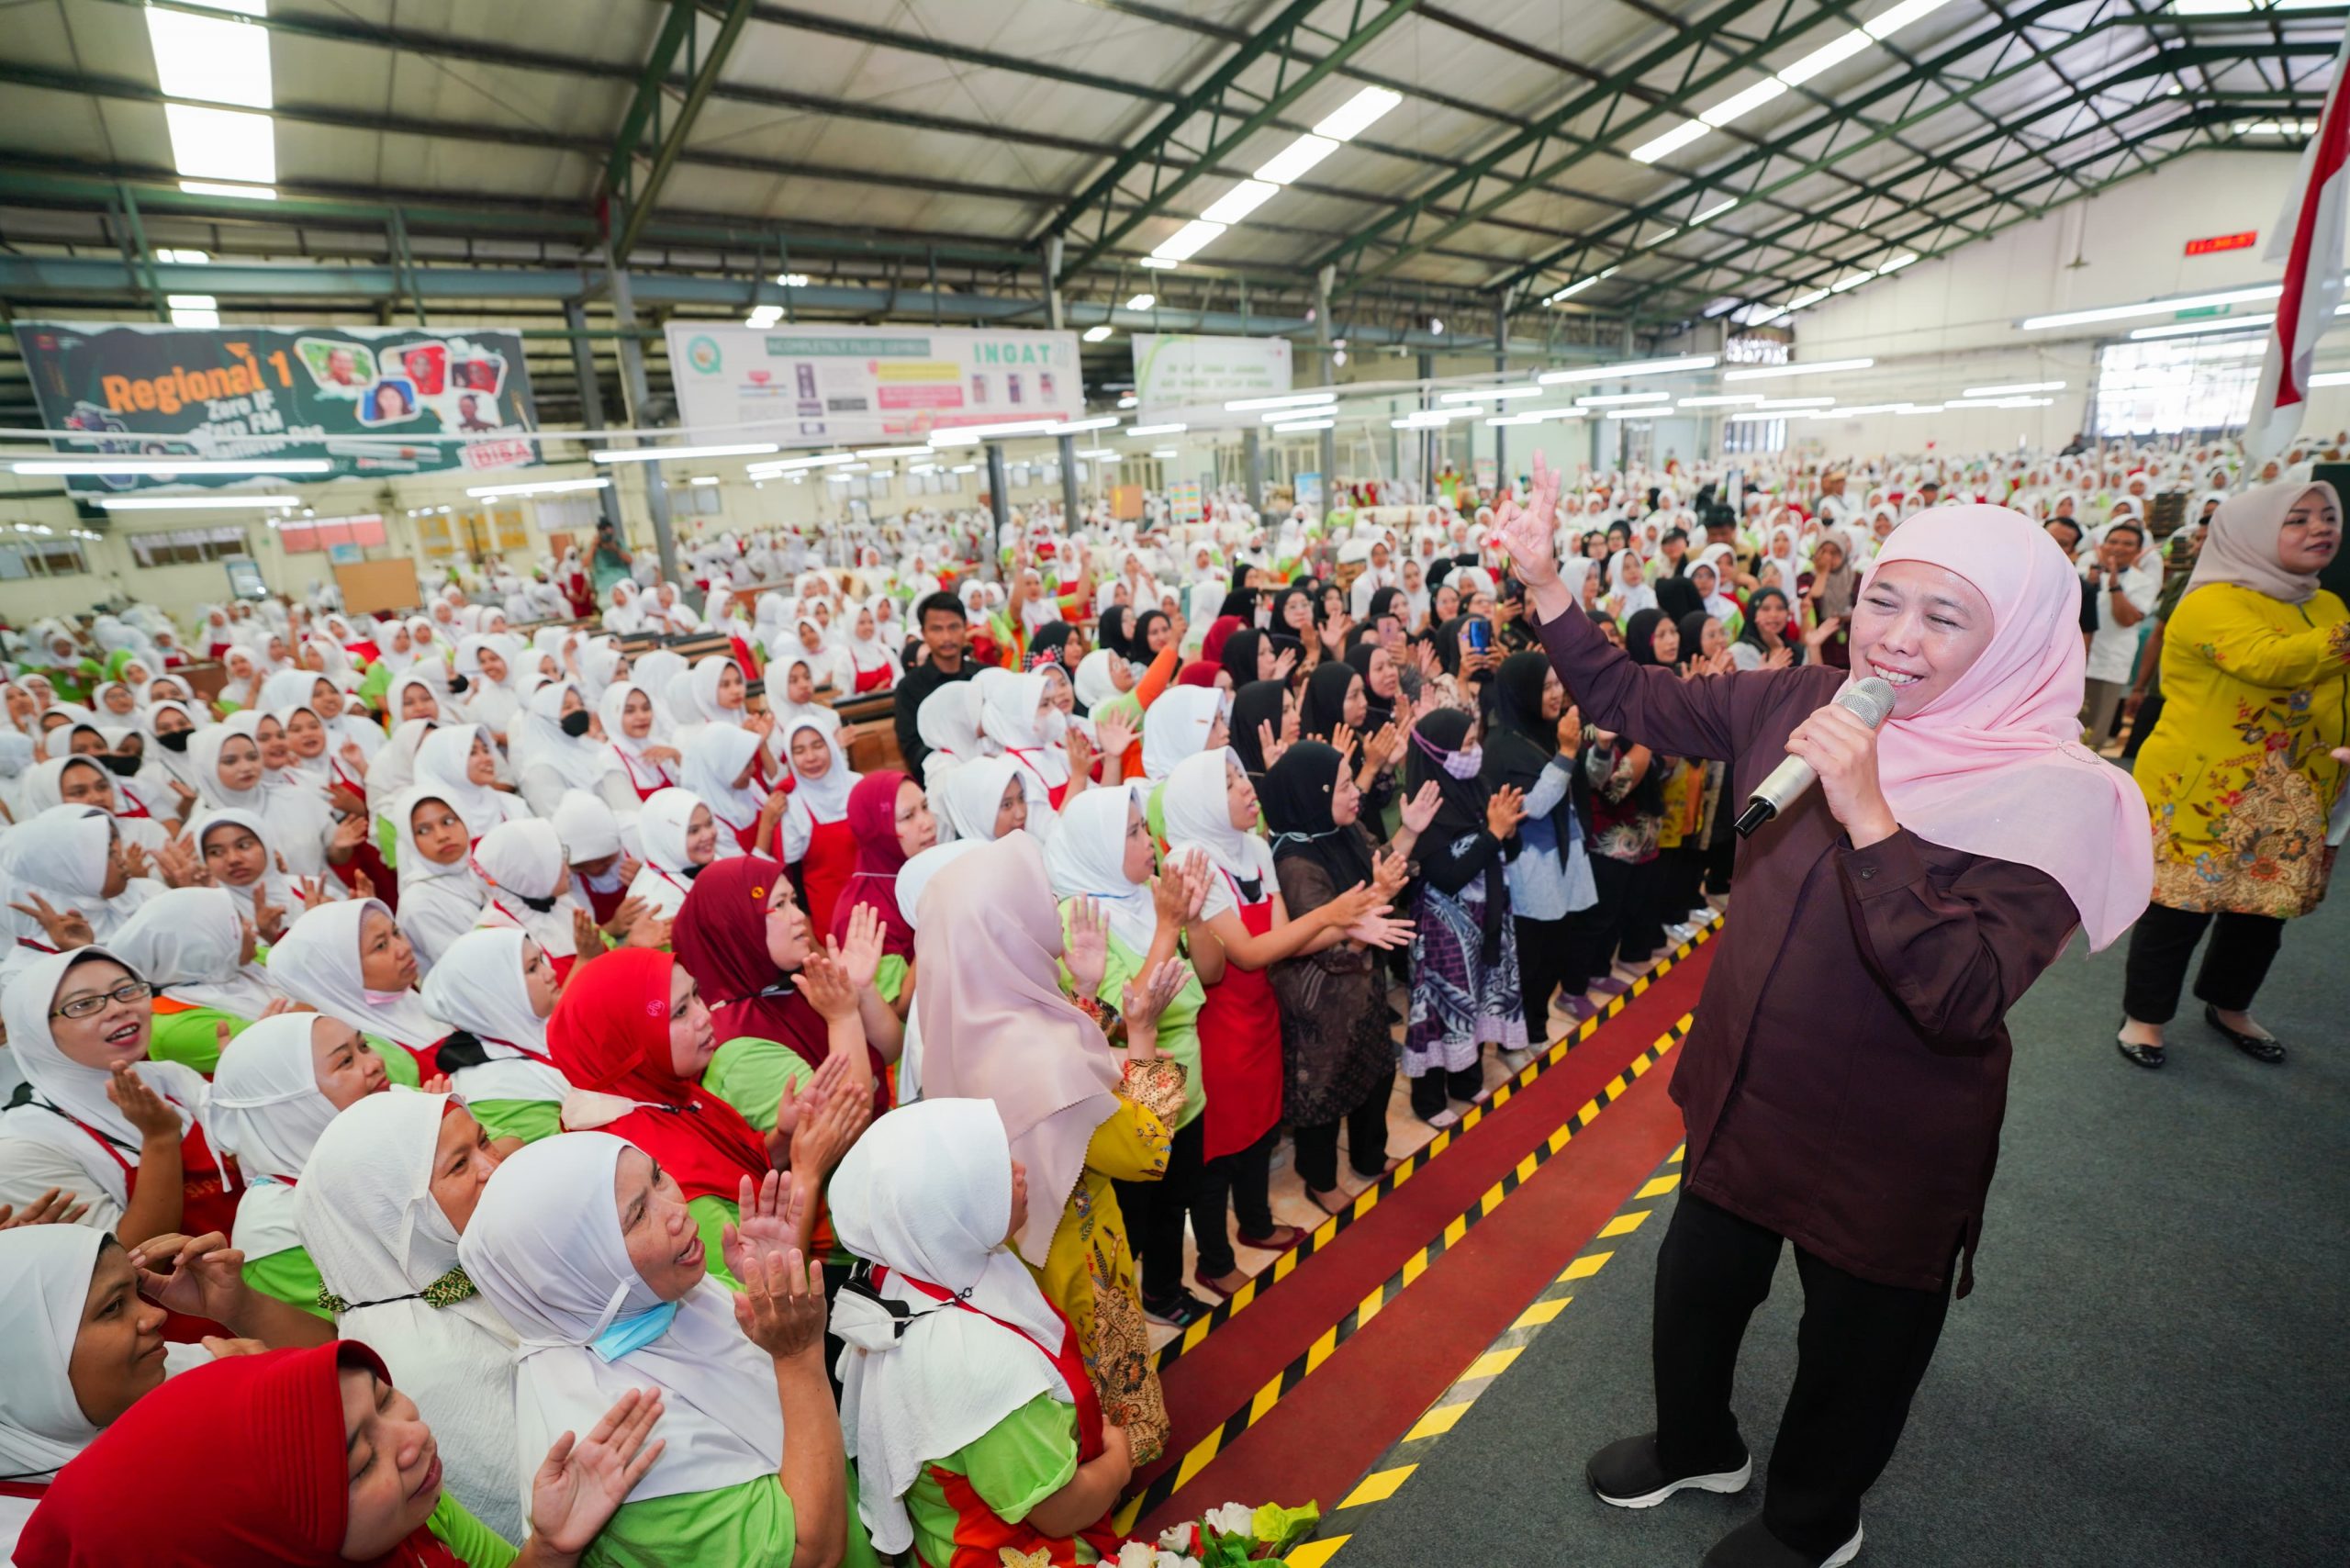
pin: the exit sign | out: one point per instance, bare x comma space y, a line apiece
2222, 242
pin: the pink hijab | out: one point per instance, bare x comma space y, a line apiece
996, 1027
1993, 766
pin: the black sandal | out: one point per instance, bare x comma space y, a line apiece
2259, 1047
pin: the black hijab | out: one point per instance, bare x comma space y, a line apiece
1677, 596
1296, 796
1518, 744
1139, 640
1238, 657
1381, 709
1639, 636
1049, 645
1280, 627
1460, 809
1693, 635
1259, 702
1387, 601
1323, 707
1751, 634
1111, 630
1241, 605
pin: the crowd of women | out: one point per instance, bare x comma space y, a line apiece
484, 1085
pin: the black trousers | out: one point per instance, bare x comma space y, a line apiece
1317, 1146
1550, 959
1154, 1211
1602, 925
1721, 859
1644, 910
1861, 1351
1245, 1178
2242, 947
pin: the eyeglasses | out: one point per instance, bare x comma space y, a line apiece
88, 1006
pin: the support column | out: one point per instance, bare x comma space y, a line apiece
1252, 454
1328, 453
1066, 445
1501, 367
998, 503
591, 399
1428, 437
639, 394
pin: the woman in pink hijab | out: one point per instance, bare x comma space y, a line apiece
1845, 1081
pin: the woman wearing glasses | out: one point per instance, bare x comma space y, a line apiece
100, 1121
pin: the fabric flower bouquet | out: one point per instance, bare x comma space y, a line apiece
1233, 1536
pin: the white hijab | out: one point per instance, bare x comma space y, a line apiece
1008, 715
267, 1109
186, 941
969, 796
544, 1246
927, 1193
523, 862
714, 757
59, 1083
632, 752
393, 768
823, 798
537, 740
440, 764
1199, 821
478, 986
366, 1215
438, 903
1086, 859
948, 724
1178, 725
318, 961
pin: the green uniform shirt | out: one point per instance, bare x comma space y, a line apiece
290, 1277
472, 1542
1022, 1460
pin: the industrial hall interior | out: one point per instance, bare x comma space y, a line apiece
1367, 783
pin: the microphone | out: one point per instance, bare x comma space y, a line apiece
1869, 699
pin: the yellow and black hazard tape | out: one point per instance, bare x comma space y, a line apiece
1197, 1457
1397, 1466
1281, 1267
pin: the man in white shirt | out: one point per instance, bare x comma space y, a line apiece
2125, 594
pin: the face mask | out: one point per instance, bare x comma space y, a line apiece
121, 766
1052, 726
575, 724
176, 741
459, 685
1466, 762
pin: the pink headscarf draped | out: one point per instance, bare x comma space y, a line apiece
1995, 765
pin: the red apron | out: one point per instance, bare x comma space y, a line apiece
873, 680
603, 905
824, 871
983, 1539
209, 1195
1057, 795
1240, 1046
645, 791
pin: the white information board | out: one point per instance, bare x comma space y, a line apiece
1180, 371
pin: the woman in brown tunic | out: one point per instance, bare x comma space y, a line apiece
1845, 1079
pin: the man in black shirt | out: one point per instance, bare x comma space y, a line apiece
943, 635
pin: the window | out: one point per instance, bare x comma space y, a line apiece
36, 557
1754, 435
187, 546
2166, 388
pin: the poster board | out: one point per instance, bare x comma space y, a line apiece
1126, 502
372, 588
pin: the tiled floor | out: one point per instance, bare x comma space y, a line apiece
1406, 1134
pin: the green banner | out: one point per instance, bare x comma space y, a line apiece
371, 400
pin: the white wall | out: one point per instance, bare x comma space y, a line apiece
1938, 327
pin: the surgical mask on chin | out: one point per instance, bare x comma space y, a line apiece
574, 724
176, 741
1052, 726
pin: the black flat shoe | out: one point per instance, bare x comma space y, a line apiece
1751, 1545
1184, 1311
2259, 1047
1628, 1474
2137, 1055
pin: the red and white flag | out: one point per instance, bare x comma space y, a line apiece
2307, 238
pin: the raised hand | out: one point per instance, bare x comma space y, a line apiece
1087, 951
196, 1276
1269, 745
1334, 633
764, 1227
861, 954
1570, 729
1170, 898
1818, 634
1389, 871
349, 834
781, 1307
1424, 655
180, 867
1197, 877
135, 863
1284, 663
653, 931
353, 757
1383, 745
1079, 752
1421, 809
344, 799
1779, 657
587, 938
1351, 906
1506, 811
1114, 735
55, 1206
1342, 738
581, 1485
311, 892
1380, 931
631, 911
824, 980
362, 887
827, 1129
1529, 532
67, 928
1147, 995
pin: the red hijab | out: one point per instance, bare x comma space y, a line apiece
134, 1496
609, 1033
721, 936
872, 817
1198, 672
1219, 631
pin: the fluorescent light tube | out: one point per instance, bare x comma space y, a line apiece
664, 453
1779, 371
1099, 334
1627, 367
1289, 401
1720, 400
68, 465
1355, 115
1238, 203
544, 487
1825, 57
1142, 301
1188, 241
1154, 429
1478, 394
1603, 400
1744, 101
1296, 425
922, 450
1672, 141
171, 503
2151, 308
2015, 389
